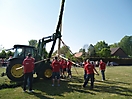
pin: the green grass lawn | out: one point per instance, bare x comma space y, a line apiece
117, 86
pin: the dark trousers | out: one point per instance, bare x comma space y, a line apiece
26, 77
103, 74
91, 77
85, 74
69, 72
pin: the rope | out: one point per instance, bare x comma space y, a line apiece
72, 54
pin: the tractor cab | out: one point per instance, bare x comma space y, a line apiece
21, 51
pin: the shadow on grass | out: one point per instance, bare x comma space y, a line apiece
114, 82
45, 90
113, 87
41, 96
67, 86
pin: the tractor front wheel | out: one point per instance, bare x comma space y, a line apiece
12, 73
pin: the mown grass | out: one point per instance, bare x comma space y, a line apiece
117, 86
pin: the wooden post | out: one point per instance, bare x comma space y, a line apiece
59, 41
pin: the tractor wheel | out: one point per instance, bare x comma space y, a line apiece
46, 71
12, 73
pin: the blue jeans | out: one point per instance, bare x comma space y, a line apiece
91, 77
26, 77
103, 74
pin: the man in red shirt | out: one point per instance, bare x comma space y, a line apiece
102, 67
69, 64
28, 65
56, 71
89, 74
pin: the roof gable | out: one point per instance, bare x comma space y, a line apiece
118, 52
113, 50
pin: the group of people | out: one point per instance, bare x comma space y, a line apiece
62, 68
90, 70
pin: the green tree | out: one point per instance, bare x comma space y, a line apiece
91, 51
81, 50
126, 44
33, 43
114, 45
3, 54
99, 46
69, 55
64, 50
9, 53
105, 52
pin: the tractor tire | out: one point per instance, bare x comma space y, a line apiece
12, 73
45, 71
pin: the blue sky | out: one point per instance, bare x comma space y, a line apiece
84, 21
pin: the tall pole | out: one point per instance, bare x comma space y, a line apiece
58, 27
59, 41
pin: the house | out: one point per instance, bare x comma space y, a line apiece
78, 54
118, 52
114, 52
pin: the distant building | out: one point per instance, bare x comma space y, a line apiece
114, 52
118, 52
78, 54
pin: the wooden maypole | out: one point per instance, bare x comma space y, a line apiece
57, 28
59, 40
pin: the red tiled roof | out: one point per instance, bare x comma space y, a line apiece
78, 54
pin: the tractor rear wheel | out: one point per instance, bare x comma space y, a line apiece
46, 71
12, 73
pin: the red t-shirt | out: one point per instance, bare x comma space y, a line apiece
102, 66
56, 66
69, 64
64, 64
84, 65
61, 62
89, 68
28, 64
